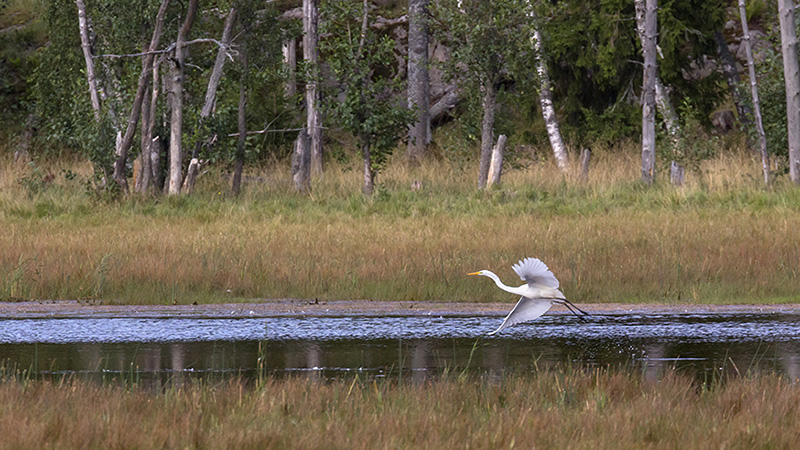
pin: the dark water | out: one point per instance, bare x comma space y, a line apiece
170, 349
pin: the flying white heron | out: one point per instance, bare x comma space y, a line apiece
539, 292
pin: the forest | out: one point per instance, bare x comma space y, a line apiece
143, 89
161, 151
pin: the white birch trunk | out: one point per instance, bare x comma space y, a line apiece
311, 57
791, 74
762, 140
83, 25
548, 110
649, 92
496, 165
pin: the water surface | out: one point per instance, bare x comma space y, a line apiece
172, 348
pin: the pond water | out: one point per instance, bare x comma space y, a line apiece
170, 349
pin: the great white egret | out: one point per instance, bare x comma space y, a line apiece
539, 292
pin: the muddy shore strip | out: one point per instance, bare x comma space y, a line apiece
298, 307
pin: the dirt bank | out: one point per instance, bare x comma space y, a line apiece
295, 307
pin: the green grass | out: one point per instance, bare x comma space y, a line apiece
721, 239
555, 408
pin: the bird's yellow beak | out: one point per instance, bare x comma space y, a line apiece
474, 273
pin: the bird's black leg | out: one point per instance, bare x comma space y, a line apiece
567, 305
573, 305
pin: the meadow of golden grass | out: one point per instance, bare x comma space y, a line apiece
723, 238
567, 408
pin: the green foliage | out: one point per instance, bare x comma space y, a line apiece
487, 40
35, 180
693, 144
489, 44
595, 55
772, 99
22, 33
363, 100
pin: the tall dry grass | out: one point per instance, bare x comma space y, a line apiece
722, 238
545, 409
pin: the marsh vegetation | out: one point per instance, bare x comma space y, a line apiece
722, 238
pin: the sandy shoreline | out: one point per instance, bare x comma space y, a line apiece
296, 307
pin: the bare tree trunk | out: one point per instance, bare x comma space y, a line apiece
791, 74
240, 143
487, 131
213, 81
649, 92
369, 174
219, 63
145, 171
149, 108
586, 157
675, 173
732, 78
191, 176
496, 166
290, 59
662, 100
548, 110
311, 56
133, 117
419, 134
83, 25
176, 103
301, 162
762, 140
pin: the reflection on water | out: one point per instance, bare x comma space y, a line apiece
172, 349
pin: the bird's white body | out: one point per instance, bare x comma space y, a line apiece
538, 293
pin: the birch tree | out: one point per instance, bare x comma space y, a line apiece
762, 139
649, 92
791, 74
83, 28
419, 134
548, 109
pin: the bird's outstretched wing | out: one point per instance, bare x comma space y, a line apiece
535, 273
526, 309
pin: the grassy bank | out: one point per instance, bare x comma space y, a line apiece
721, 239
546, 409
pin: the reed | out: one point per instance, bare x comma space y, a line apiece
721, 239
556, 408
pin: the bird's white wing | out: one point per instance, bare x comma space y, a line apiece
525, 310
535, 273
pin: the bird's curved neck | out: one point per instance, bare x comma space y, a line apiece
500, 284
